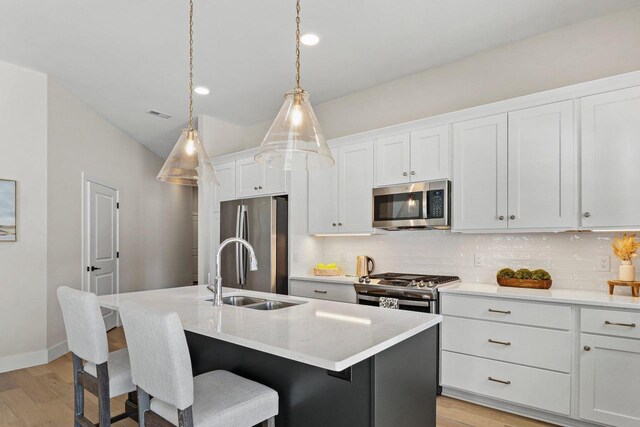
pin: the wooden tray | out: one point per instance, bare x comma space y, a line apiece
635, 286
525, 283
327, 272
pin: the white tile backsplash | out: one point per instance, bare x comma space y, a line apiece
570, 258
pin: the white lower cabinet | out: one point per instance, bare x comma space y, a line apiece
342, 292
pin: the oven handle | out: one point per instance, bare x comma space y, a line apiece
400, 301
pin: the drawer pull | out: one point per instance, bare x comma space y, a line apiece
499, 342
499, 381
319, 292
491, 310
630, 325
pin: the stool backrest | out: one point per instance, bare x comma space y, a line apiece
86, 333
160, 362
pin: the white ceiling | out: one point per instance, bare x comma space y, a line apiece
126, 57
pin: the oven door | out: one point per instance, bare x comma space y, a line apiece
400, 206
423, 306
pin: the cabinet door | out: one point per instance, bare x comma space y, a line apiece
610, 153
609, 386
541, 167
247, 178
480, 174
227, 189
272, 181
355, 188
393, 160
430, 154
323, 200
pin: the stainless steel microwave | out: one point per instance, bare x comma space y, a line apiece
420, 205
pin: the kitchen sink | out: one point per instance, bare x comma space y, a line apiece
239, 300
273, 305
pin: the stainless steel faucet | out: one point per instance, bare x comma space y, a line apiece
253, 266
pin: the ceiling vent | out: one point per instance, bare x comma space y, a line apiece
160, 114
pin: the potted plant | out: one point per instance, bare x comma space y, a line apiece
524, 278
626, 248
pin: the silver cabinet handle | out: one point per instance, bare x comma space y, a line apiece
404, 174
413, 172
319, 292
587, 348
260, 187
501, 217
255, 188
499, 381
512, 217
629, 325
339, 224
491, 310
334, 224
587, 214
499, 342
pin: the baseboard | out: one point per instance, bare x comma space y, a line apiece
23, 360
57, 350
516, 409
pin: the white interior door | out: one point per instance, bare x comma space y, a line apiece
102, 244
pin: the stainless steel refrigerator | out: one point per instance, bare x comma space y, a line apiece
263, 222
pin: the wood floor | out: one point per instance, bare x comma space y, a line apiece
43, 396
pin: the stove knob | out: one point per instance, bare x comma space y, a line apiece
360, 279
413, 284
431, 284
367, 280
421, 284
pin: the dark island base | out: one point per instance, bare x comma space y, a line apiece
396, 387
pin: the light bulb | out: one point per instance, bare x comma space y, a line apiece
296, 115
190, 147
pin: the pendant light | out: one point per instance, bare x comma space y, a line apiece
295, 139
188, 162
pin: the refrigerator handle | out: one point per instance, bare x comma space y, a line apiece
245, 236
241, 249
238, 220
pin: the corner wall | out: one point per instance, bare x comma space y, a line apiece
23, 264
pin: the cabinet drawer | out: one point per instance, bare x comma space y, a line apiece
507, 311
540, 348
618, 323
320, 290
536, 388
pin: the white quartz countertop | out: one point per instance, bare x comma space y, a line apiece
566, 296
346, 280
327, 334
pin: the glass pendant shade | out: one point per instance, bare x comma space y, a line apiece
295, 139
188, 163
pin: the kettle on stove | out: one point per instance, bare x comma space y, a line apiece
364, 266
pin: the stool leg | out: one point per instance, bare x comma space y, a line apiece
78, 391
271, 422
104, 402
185, 417
143, 405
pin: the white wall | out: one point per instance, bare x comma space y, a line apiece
589, 50
155, 218
23, 264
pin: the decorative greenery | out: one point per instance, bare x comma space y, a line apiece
523, 273
540, 274
506, 273
625, 247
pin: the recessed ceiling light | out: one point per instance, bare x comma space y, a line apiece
201, 90
309, 39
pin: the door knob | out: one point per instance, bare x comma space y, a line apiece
413, 172
259, 187
587, 214
255, 188
404, 174
512, 217
501, 217
334, 224
95, 268
340, 224
587, 348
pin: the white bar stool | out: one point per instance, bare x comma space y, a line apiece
161, 367
105, 374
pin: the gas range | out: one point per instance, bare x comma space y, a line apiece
400, 285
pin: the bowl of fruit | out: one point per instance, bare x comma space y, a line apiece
327, 270
524, 278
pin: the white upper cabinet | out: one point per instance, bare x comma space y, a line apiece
254, 179
226, 173
340, 197
480, 174
393, 159
541, 159
355, 185
610, 154
412, 157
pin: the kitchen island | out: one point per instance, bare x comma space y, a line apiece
331, 363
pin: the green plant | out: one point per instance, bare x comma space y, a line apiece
540, 274
523, 273
506, 273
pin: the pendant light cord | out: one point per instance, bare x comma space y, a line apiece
298, 44
190, 64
